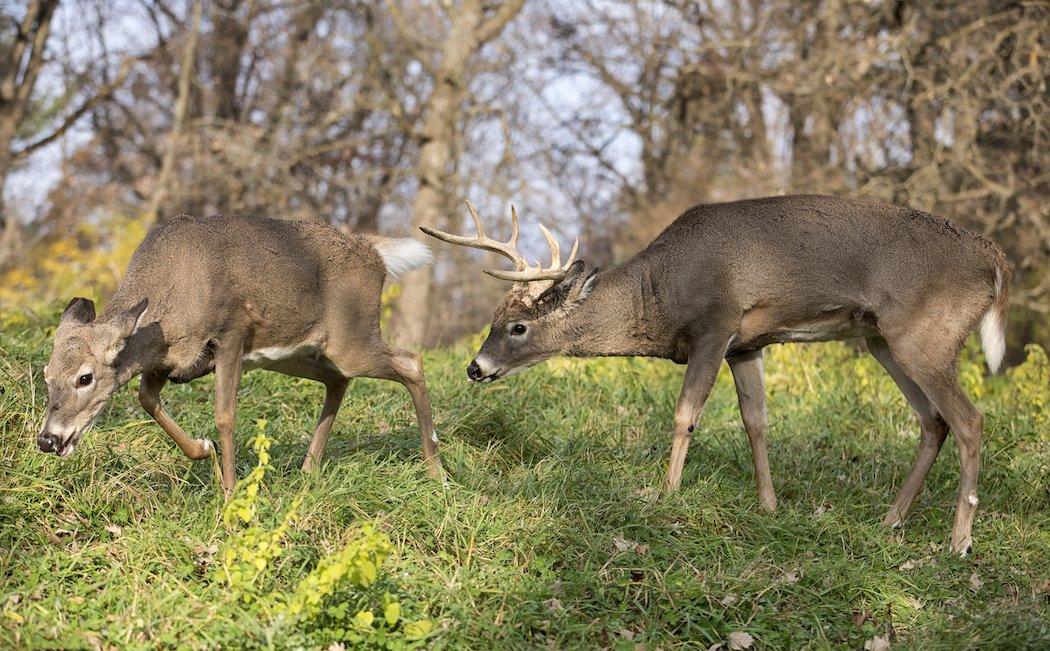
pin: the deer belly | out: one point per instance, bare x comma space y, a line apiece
761, 329
820, 332
275, 355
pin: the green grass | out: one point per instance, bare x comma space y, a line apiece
550, 532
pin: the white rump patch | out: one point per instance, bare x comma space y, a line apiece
402, 255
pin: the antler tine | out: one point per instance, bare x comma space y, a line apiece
477, 218
572, 254
554, 247
514, 226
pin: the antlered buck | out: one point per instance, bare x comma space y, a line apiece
725, 280
228, 294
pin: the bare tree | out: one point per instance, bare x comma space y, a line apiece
470, 24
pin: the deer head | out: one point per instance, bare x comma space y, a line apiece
83, 371
529, 324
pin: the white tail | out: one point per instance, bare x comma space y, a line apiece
401, 255
993, 330
993, 339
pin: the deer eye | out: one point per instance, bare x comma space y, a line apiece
84, 380
518, 329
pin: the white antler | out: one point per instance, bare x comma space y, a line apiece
523, 271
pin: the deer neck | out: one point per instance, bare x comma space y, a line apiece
618, 317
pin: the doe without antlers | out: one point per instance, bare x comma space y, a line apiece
225, 295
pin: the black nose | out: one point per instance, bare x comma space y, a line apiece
47, 442
474, 371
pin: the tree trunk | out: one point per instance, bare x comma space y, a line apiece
24, 58
160, 191
469, 30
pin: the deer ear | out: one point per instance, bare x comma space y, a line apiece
79, 310
126, 324
132, 318
574, 287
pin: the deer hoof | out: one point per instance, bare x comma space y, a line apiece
962, 547
893, 518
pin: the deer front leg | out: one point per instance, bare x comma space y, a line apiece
333, 397
227, 381
751, 395
700, 375
149, 397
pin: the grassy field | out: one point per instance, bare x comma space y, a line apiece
550, 531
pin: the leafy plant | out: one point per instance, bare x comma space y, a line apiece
334, 602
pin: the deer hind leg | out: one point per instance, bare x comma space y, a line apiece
227, 381
333, 397
933, 432
935, 375
751, 395
149, 397
406, 367
700, 374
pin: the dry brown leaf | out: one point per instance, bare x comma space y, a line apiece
909, 565
975, 582
860, 617
729, 600
115, 529
740, 640
791, 577
877, 643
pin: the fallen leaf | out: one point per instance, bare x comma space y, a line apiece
715, 647
740, 640
975, 582
336, 646
821, 510
627, 634
877, 643
115, 529
909, 565
624, 545
860, 617
729, 600
648, 494
791, 577
554, 604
